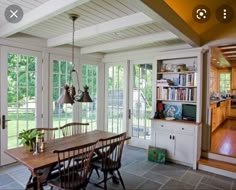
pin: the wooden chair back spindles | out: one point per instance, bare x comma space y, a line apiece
112, 152
48, 133
74, 128
108, 158
74, 175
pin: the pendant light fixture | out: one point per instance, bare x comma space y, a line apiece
69, 95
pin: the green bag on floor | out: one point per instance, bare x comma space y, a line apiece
156, 154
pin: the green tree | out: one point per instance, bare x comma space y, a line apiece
21, 77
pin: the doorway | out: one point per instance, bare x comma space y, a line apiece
21, 96
221, 93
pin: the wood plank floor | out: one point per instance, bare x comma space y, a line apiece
223, 139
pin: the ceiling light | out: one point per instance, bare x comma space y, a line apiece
69, 95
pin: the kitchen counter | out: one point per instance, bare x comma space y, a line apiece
220, 100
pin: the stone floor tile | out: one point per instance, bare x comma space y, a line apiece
203, 186
191, 178
149, 185
139, 168
224, 178
156, 177
5, 179
218, 183
234, 185
14, 185
174, 184
170, 170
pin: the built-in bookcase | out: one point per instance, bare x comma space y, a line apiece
178, 81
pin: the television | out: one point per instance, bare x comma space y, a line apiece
189, 112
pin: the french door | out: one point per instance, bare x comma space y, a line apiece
21, 95
116, 98
140, 103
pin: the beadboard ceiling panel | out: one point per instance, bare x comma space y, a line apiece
95, 14
91, 13
26, 5
152, 45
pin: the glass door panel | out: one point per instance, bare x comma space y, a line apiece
89, 110
115, 102
61, 113
21, 94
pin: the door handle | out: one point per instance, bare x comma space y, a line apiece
129, 114
4, 120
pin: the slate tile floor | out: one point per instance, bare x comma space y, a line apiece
138, 173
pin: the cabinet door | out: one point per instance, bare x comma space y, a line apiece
233, 78
214, 119
184, 148
163, 140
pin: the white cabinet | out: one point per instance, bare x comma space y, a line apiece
179, 139
164, 140
184, 147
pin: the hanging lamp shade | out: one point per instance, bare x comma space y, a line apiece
85, 96
65, 98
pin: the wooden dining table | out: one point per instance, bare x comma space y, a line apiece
45, 160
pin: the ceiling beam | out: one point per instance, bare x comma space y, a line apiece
43, 12
118, 24
128, 43
160, 12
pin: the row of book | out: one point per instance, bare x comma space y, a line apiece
183, 94
188, 79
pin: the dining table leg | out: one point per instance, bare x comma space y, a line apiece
38, 178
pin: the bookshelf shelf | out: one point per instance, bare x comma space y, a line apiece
183, 101
178, 86
183, 72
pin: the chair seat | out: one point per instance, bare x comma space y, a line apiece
68, 184
113, 165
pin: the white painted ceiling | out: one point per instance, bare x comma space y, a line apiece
104, 25
91, 13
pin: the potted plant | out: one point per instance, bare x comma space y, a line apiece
28, 138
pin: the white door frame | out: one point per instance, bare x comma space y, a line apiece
3, 95
142, 143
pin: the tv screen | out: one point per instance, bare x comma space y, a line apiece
189, 112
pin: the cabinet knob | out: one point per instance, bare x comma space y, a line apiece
170, 137
173, 137
182, 128
162, 125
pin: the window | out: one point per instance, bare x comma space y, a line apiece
224, 83
62, 113
213, 80
89, 110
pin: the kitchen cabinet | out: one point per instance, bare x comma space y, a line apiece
179, 139
233, 78
220, 112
